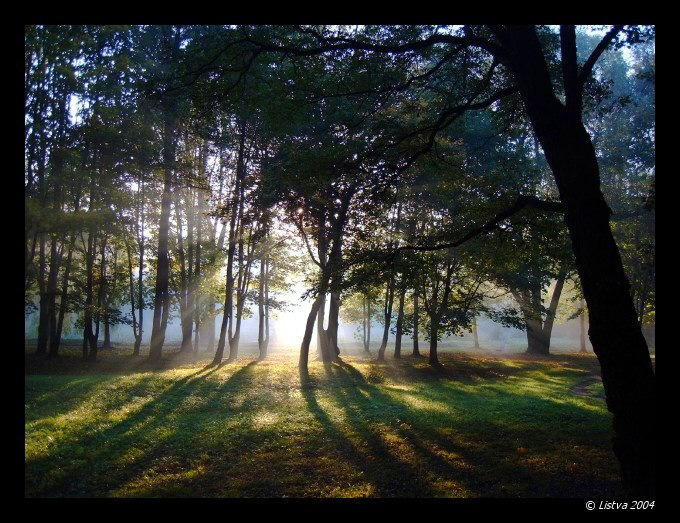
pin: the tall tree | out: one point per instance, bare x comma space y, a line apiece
170, 39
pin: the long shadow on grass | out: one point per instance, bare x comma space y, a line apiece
380, 467
480, 465
94, 462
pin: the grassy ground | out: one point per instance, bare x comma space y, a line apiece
483, 426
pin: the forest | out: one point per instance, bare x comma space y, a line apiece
339, 261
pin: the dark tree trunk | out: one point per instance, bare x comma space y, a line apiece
389, 298
333, 325
400, 322
615, 334
243, 283
107, 303
196, 286
52, 296
390, 291
101, 293
311, 318
161, 309
63, 305
43, 318
161, 302
140, 276
369, 321
184, 298
552, 310
416, 317
363, 322
322, 344
582, 322
434, 359
260, 309
539, 331
309, 328
536, 342
131, 287
227, 317
234, 341
266, 308
367, 314
55, 256
107, 333
89, 338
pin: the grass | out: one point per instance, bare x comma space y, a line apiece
482, 427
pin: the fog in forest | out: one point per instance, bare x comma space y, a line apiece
434, 247
287, 329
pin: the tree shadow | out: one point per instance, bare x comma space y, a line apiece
101, 460
237, 433
460, 458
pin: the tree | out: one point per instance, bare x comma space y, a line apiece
171, 40
614, 331
342, 117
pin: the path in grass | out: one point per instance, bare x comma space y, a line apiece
480, 427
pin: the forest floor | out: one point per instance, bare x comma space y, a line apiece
483, 426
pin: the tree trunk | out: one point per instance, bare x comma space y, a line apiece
184, 299
536, 342
162, 293
43, 318
88, 334
101, 293
389, 298
243, 279
140, 276
615, 334
363, 321
196, 286
433, 359
52, 295
400, 322
321, 334
131, 287
369, 321
309, 328
475, 335
260, 310
582, 321
107, 303
416, 313
43, 321
333, 325
63, 305
229, 288
55, 256
107, 333
266, 307
161, 309
552, 310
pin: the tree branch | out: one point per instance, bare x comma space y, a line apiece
309, 249
520, 203
572, 90
587, 68
345, 44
